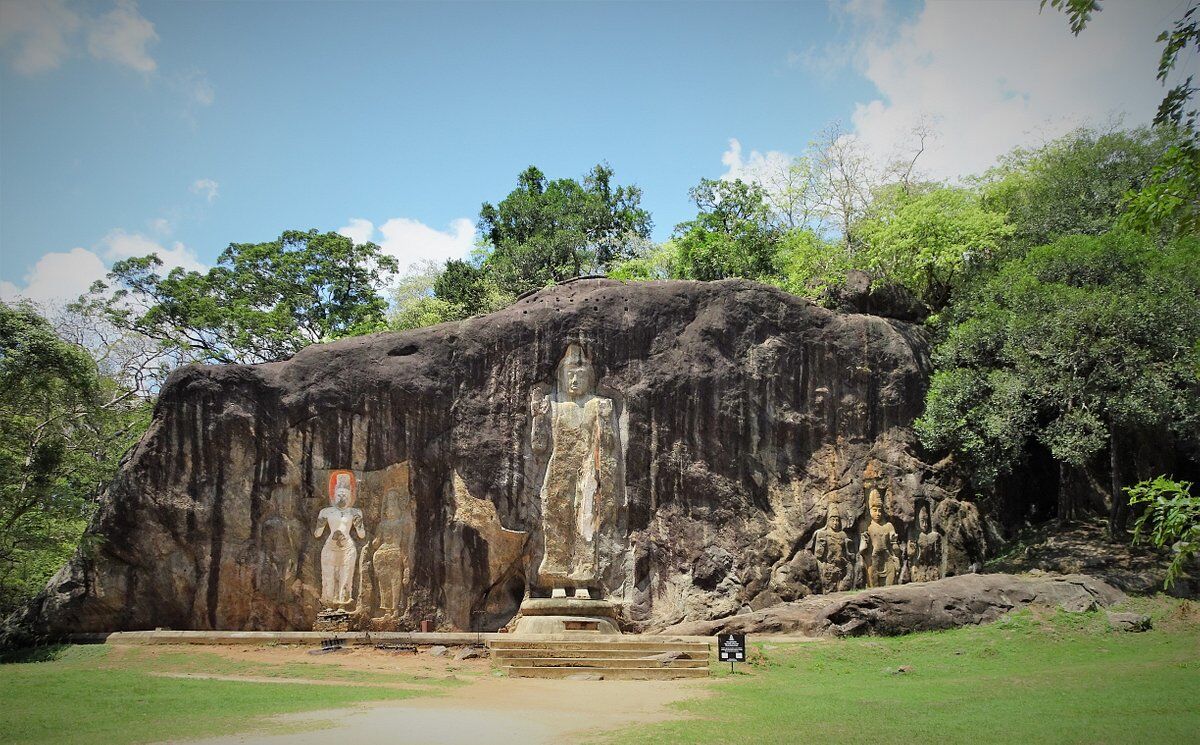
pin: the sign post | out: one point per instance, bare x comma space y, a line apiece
731, 648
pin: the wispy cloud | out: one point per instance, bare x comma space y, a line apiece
36, 34
206, 188
121, 36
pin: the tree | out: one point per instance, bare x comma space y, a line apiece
928, 242
1084, 345
63, 429
810, 265
1169, 202
548, 231
262, 302
845, 183
730, 237
1171, 517
1075, 185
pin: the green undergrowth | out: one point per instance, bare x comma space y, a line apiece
1031, 677
98, 694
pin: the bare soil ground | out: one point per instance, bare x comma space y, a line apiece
483, 708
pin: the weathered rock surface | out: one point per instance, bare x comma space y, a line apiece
966, 600
741, 413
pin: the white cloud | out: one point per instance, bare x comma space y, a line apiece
119, 244
42, 34
121, 36
57, 277
195, 87
994, 75
38, 31
412, 241
754, 168
359, 230
206, 188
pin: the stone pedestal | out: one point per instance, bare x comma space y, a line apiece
570, 616
334, 620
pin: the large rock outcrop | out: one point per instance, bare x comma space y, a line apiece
949, 603
741, 413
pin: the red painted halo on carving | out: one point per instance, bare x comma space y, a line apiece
333, 479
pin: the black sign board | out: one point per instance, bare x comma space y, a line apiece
731, 648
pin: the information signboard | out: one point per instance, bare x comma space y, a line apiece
731, 648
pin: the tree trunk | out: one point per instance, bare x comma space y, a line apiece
1066, 502
1118, 513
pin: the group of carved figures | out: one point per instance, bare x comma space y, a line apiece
579, 495
389, 552
879, 560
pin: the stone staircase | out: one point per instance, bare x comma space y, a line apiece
609, 657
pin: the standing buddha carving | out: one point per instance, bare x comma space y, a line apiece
579, 493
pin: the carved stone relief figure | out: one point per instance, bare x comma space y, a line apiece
281, 534
339, 554
925, 557
392, 545
579, 494
880, 546
834, 553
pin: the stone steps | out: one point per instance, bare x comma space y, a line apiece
608, 673
610, 658
606, 662
616, 646
534, 653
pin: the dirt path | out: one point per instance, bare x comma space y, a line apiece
491, 710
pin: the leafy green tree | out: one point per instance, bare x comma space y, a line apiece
650, 261
1169, 201
1170, 517
1082, 345
928, 242
1075, 185
546, 231
63, 430
732, 236
810, 265
262, 302
462, 284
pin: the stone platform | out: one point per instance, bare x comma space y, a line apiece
603, 656
567, 616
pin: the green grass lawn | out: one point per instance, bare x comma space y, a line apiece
1065, 678
97, 694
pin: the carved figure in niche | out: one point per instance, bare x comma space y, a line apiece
925, 553
390, 556
580, 490
880, 546
833, 550
281, 534
340, 552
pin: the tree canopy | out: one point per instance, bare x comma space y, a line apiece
63, 429
262, 301
547, 231
1079, 345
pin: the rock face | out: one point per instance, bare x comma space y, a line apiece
739, 415
931, 606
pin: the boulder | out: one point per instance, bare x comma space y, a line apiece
965, 600
741, 413
1129, 621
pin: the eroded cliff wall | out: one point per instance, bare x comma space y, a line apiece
743, 412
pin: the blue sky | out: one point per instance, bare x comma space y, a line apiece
180, 127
